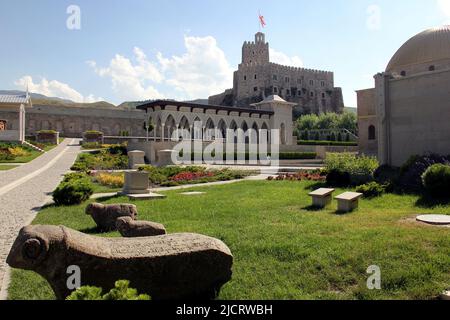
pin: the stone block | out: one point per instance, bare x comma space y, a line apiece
348, 201
136, 182
321, 197
165, 158
168, 267
136, 158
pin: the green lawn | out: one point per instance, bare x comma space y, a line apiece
284, 250
4, 168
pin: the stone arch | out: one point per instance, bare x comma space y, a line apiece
197, 129
244, 128
222, 129
184, 128
254, 133
265, 133
234, 127
169, 127
210, 128
372, 132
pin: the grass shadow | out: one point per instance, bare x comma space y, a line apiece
426, 201
313, 208
104, 199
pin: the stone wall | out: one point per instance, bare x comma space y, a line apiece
73, 121
418, 113
367, 118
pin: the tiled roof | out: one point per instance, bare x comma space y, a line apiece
6, 98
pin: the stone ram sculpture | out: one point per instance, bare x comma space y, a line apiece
169, 267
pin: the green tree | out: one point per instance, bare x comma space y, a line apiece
327, 121
348, 121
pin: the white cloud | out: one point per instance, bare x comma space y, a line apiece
53, 88
201, 71
129, 80
281, 58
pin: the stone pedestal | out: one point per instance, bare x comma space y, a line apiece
321, 197
165, 158
136, 158
136, 182
51, 137
348, 201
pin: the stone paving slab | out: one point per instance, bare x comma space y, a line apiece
24, 190
434, 219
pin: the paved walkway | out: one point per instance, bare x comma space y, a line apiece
25, 189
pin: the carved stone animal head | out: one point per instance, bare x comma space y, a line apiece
94, 208
123, 223
32, 246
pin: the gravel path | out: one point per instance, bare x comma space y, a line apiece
25, 189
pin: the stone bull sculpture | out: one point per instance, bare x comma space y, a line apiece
105, 216
130, 228
169, 267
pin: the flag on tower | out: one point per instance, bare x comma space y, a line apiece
262, 20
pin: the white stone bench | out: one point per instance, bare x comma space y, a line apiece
321, 197
348, 201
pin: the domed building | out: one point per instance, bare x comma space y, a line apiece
408, 111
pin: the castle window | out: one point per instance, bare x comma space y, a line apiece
311, 82
286, 79
323, 95
403, 73
299, 81
299, 92
255, 89
255, 77
245, 78
322, 83
311, 94
275, 77
275, 89
288, 92
431, 68
372, 133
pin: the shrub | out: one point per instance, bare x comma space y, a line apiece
121, 291
6, 156
73, 191
346, 143
436, 180
74, 176
297, 155
18, 152
110, 180
410, 179
118, 149
359, 168
100, 160
371, 190
338, 178
47, 132
91, 145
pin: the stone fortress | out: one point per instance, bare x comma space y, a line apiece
312, 91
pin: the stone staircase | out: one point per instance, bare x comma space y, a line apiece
32, 146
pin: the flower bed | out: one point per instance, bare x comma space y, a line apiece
113, 158
174, 176
315, 175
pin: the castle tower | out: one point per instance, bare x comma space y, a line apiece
256, 52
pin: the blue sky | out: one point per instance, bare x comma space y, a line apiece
136, 49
